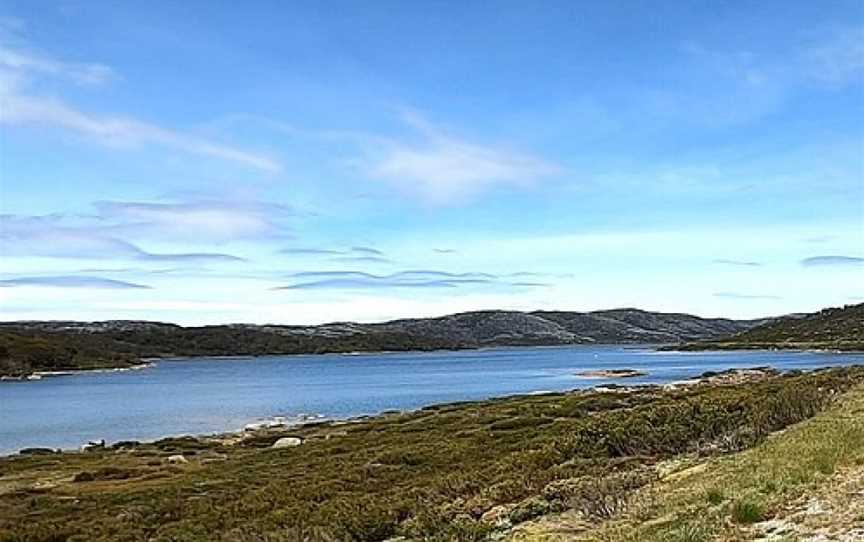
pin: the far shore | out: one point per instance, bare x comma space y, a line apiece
684, 348
39, 375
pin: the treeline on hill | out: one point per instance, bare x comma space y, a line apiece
24, 351
839, 328
448, 472
44, 346
22, 354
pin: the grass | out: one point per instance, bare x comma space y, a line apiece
722, 497
715, 496
747, 511
450, 472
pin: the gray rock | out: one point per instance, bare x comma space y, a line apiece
288, 442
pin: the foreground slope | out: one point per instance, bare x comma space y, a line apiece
804, 483
59, 345
452, 472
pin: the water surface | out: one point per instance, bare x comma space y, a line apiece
209, 395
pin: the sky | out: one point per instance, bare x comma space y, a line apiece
305, 162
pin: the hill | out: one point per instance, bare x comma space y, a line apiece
31, 346
834, 328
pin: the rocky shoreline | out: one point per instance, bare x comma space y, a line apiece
291, 426
612, 373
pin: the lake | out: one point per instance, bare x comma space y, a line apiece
208, 395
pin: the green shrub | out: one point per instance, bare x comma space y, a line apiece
747, 511
715, 496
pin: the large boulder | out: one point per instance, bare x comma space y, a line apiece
288, 442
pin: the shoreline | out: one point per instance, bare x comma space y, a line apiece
151, 360
39, 375
301, 422
662, 348
485, 467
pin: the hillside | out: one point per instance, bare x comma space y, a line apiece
59, 345
834, 328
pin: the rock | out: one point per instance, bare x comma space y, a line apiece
530, 508
612, 373
38, 451
562, 490
737, 375
815, 508
125, 444
775, 527
498, 516
287, 442
93, 445
177, 459
84, 476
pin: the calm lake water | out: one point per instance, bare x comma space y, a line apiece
212, 395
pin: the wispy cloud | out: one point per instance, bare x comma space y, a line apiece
84, 73
362, 259
332, 274
356, 253
409, 274
819, 239
443, 169
209, 220
736, 295
47, 236
23, 107
367, 250
416, 278
116, 131
751, 84
311, 251
72, 281
445, 274
816, 261
743, 263
838, 59
445, 250
367, 284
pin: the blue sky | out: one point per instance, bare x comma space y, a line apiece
301, 162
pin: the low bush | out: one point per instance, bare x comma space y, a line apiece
372, 480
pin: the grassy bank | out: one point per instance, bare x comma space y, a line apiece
804, 483
454, 472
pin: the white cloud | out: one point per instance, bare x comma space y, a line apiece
19, 107
207, 220
442, 169
118, 131
81, 73
51, 237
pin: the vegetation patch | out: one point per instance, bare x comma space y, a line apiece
747, 511
456, 475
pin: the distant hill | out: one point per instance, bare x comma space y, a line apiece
59, 345
834, 329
